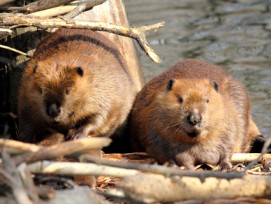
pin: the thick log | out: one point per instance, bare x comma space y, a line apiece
157, 188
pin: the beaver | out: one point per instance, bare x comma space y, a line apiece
76, 80
194, 113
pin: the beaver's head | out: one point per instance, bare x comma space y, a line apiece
190, 106
61, 90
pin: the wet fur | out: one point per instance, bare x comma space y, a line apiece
156, 123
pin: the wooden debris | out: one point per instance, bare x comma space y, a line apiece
76, 168
62, 149
158, 188
7, 19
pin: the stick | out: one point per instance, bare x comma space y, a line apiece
76, 168
248, 157
75, 8
156, 188
2, 2
62, 149
82, 7
11, 174
136, 33
14, 50
39, 5
15, 147
158, 169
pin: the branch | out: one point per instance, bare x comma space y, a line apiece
62, 149
14, 50
16, 147
136, 33
158, 169
4, 32
76, 168
39, 5
156, 188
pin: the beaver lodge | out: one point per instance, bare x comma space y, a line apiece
36, 172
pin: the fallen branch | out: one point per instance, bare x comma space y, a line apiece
248, 157
156, 188
76, 168
39, 5
75, 9
158, 169
62, 149
14, 50
11, 175
136, 33
16, 147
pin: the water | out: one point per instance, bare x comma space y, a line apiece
233, 34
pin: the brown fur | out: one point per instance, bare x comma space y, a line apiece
82, 74
76, 85
217, 104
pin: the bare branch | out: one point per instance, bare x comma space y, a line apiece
62, 149
14, 50
76, 168
136, 33
39, 5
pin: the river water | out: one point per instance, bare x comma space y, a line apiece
233, 34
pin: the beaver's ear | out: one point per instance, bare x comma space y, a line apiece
215, 85
170, 84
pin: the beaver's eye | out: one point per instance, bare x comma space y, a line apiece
79, 71
207, 100
68, 90
39, 90
180, 99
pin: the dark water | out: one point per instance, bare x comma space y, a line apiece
233, 34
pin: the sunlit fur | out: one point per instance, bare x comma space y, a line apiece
97, 99
159, 124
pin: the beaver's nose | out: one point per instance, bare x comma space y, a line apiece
53, 110
194, 118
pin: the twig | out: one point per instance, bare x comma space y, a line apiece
12, 175
62, 149
2, 2
39, 5
14, 50
158, 169
136, 33
76, 168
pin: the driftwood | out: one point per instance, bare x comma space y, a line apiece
76, 168
138, 34
62, 149
157, 188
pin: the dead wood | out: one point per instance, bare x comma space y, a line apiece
14, 50
16, 147
39, 5
12, 176
158, 169
82, 7
76, 168
62, 149
138, 33
4, 32
157, 188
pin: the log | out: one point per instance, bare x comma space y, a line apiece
156, 188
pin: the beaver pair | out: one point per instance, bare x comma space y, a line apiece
77, 85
